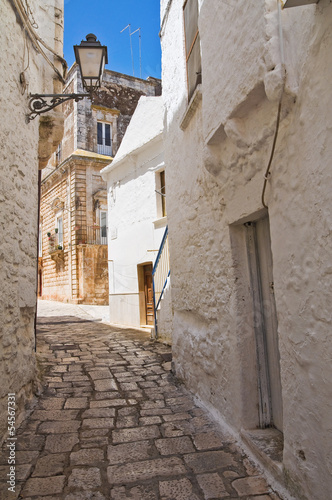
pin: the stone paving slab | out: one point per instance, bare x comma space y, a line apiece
113, 424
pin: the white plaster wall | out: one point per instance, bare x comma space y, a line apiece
215, 172
165, 315
18, 198
133, 238
133, 207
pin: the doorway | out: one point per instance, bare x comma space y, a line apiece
148, 292
40, 282
145, 286
265, 323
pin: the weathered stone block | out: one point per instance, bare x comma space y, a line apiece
85, 479
93, 423
44, 486
140, 471
207, 441
50, 465
99, 412
174, 445
250, 486
59, 427
129, 452
209, 461
212, 486
61, 443
105, 385
86, 457
76, 403
181, 489
135, 434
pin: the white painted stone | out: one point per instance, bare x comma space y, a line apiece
135, 219
20, 145
215, 175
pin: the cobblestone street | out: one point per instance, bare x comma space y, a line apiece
113, 423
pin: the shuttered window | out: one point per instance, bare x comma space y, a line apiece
59, 225
163, 193
192, 42
103, 227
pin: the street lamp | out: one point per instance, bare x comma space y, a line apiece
296, 3
91, 58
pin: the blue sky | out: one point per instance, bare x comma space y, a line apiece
106, 18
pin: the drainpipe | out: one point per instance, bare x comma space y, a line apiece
38, 222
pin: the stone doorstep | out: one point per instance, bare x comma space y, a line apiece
267, 446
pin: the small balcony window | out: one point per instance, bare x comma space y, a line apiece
58, 154
104, 139
59, 226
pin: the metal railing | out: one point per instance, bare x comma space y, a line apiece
91, 235
160, 274
102, 149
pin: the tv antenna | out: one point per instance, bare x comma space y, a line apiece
131, 45
140, 50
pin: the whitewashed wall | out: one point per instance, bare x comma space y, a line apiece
19, 144
136, 226
215, 175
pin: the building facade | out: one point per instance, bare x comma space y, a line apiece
249, 223
138, 218
73, 224
23, 35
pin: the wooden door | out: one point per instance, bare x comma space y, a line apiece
40, 283
148, 292
265, 323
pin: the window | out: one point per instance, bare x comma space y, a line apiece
59, 226
58, 154
160, 190
104, 139
192, 41
163, 193
103, 227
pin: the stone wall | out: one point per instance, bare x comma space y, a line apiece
118, 96
216, 153
55, 194
74, 177
70, 190
23, 147
165, 316
93, 274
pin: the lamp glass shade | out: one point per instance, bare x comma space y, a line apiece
91, 57
296, 3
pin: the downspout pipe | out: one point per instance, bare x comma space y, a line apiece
38, 223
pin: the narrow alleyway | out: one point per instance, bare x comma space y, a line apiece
113, 423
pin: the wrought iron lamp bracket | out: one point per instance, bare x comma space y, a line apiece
42, 103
